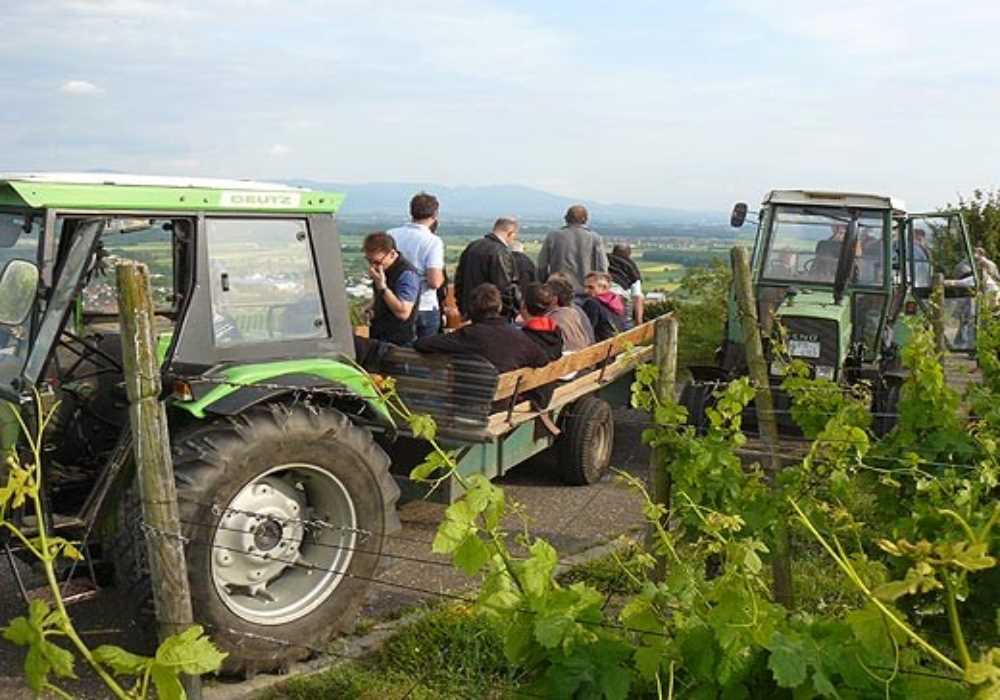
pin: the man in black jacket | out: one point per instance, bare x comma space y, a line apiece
396, 286
490, 335
490, 259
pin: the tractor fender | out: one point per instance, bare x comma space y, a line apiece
232, 400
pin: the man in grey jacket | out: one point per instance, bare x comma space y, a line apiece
573, 250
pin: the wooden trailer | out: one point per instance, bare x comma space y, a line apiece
490, 419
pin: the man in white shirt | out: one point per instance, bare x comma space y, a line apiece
424, 249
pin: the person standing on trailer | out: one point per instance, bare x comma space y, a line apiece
424, 249
489, 259
573, 250
626, 281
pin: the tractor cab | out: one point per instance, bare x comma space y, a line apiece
822, 268
838, 274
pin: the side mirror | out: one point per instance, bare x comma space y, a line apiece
18, 286
739, 214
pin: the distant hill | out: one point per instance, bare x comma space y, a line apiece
391, 199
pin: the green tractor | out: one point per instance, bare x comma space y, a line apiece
285, 497
840, 273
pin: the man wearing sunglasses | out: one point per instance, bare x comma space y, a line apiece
396, 286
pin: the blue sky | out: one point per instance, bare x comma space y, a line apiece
688, 105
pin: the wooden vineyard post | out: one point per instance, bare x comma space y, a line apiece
665, 357
766, 418
154, 467
937, 314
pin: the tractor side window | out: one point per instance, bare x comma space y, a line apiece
263, 284
148, 241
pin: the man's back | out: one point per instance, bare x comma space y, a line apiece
505, 346
573, 250
486, 259
423, 250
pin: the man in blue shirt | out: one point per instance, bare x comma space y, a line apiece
422, 248
395, 285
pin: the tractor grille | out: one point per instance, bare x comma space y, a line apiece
822, 331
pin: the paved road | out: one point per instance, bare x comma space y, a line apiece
571, 518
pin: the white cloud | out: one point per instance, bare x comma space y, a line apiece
80, 87
278, 150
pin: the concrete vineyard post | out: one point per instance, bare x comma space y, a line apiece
766, 418
154, 467
665, 357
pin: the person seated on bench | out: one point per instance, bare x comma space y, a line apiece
490, 335
603, 307
537, 324
577, 333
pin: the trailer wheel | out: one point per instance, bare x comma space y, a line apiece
285, 511
588, 436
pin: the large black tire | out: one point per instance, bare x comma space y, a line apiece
586, 442
886, 408
217, 462
696, 397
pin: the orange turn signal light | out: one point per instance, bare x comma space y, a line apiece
182, 391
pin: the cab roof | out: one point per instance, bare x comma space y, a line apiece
125, 192
834, 199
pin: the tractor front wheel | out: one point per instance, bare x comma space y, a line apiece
284, 511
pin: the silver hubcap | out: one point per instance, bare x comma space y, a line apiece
602, 449
272, 562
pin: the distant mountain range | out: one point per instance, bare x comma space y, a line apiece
391, 199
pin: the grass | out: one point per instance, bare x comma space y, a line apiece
449, 653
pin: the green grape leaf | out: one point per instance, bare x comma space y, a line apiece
519, 639
168, 685
122, 662
787, 661
648, 660
190, 652
423, 426
471, 555
614, 682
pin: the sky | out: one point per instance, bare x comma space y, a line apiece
686, 105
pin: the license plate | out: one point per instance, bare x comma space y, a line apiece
803, 348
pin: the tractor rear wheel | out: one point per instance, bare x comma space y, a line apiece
588, 437
285, 511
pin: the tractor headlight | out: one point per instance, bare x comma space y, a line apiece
824, 372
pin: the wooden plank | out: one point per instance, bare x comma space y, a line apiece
533, 377
569, 392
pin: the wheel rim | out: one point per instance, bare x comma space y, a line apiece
602, 450
270, 563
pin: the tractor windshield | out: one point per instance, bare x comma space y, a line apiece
19, 235
806, 244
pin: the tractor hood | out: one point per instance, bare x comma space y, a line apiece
818, 330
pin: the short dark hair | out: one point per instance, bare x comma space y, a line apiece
423, 206
577, 214
622, 250
378, 242
538, 298
485, 302
561, 288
